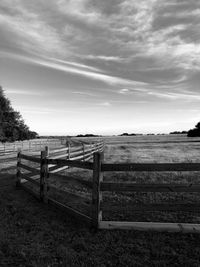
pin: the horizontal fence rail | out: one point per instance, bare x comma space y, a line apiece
71, 163
151, 167
131, 187
188, 207
152, 226
30, 158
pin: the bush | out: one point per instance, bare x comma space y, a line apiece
194, 132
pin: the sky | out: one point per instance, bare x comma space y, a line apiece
103, 67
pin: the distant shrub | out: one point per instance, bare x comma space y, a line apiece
127, 134
88, 135
178, 132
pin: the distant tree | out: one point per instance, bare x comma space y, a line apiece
124, 134
184, 132
198, 125
88, 135
12, 126
194, 132
178, 132
127, 134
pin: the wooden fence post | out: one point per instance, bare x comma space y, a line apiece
18, 178
44, 173
83, 146
69, 150
96, 193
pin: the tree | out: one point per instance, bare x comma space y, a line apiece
124, 134
198, 125
194, 132
12, 126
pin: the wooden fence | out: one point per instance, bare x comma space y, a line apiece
159, 187
52, 162
8, 150
28, 145
79, 158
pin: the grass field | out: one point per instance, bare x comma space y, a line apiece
31, 234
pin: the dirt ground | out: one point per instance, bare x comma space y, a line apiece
33, 234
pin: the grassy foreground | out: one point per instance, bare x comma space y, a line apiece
31, 234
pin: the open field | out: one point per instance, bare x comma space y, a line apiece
31, 234
142, 139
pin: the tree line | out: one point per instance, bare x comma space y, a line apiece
12, 125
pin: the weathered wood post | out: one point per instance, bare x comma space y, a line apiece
44, 174
83, 147
4, 145
102, 146
68, 143
96, 192
18, 176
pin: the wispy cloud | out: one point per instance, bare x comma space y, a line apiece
129, 91
74, 64
176, 96
124, 91
29, 32
86, 73
104, 104
84, 93
105, 58
23, 92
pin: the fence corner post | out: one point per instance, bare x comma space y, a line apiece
18, 175
44, 174
96, 190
